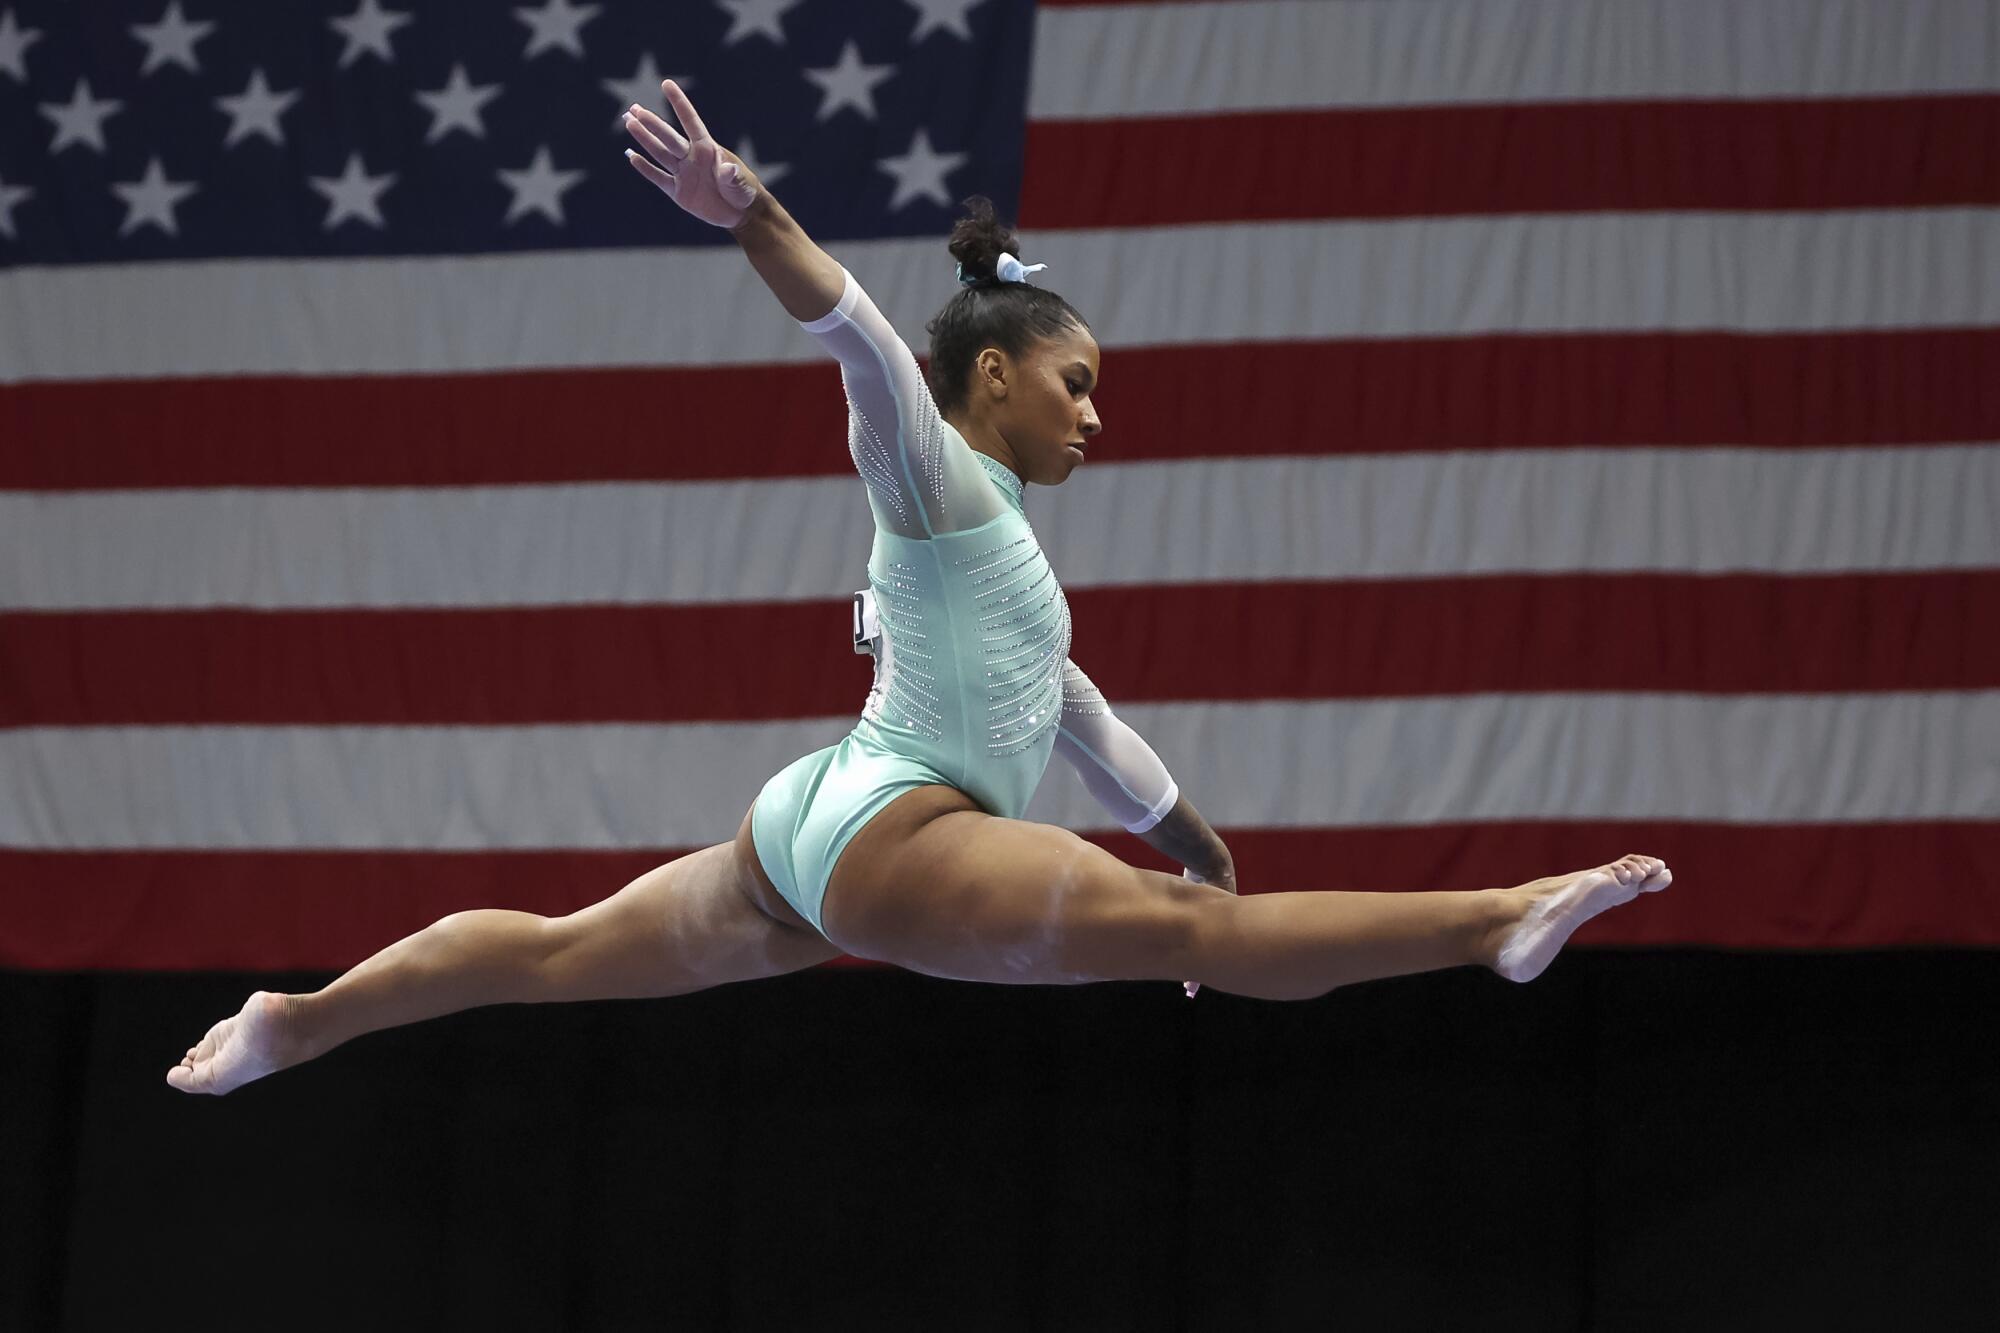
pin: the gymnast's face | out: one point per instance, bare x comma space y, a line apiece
1039, 403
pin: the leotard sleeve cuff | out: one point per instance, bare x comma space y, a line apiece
834, 318
1159, 810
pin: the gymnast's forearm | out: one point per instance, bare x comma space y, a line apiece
1186, 837
807, 281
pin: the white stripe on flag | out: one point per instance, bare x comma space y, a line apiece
1731, 759
1421, 277
1176, 59
1709, 511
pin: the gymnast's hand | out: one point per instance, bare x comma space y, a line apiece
695, 172
1225, 878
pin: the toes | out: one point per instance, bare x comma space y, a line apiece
1636, 868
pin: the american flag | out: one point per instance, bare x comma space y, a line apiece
1535, 430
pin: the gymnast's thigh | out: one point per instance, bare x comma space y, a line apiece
936, 885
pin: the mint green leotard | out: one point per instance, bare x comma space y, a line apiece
973, 687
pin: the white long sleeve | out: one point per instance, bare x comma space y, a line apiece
1116, 765
922, 477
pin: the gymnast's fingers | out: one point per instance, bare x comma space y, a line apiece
652, 173
684, 111
660, 139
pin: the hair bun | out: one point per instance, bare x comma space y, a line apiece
980, 238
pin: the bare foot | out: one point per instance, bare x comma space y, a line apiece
1551, 909
260, 1039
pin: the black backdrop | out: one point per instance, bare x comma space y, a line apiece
1638, 1141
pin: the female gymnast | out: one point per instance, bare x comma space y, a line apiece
904, 842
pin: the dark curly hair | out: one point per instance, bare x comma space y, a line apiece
988, 312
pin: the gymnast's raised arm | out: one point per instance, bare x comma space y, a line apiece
922, 479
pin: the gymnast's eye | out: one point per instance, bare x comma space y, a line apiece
1074, 387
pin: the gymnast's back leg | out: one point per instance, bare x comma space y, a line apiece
684, 926
943, 888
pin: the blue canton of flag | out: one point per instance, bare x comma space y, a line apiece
174, 129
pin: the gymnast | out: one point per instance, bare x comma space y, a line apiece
904, 841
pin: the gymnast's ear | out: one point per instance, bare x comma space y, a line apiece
992, 371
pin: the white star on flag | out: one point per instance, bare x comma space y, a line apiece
14, 44
152, 199
255, 110
644, 88
79, 120
367, 30
556, 26
171, 40
849, 82
766, 172
753, 18
10, 195
354, 194
539, 187
456, 106
920, 172
946, 15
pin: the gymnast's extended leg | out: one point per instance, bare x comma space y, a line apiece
967, 895
680, 927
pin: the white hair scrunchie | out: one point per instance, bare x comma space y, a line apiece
1006, 268
1009, 269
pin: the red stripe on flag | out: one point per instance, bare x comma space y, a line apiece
425, 430
1736, 887
1374, 162
1402, 637
1409, 395
1739, 634
434, 666
1925, 386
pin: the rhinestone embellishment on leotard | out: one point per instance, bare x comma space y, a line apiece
1081, 695
873, 461
1005, 597
1025, 639
1003, 477
881, 467
911, 689
930, 451
984, 560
